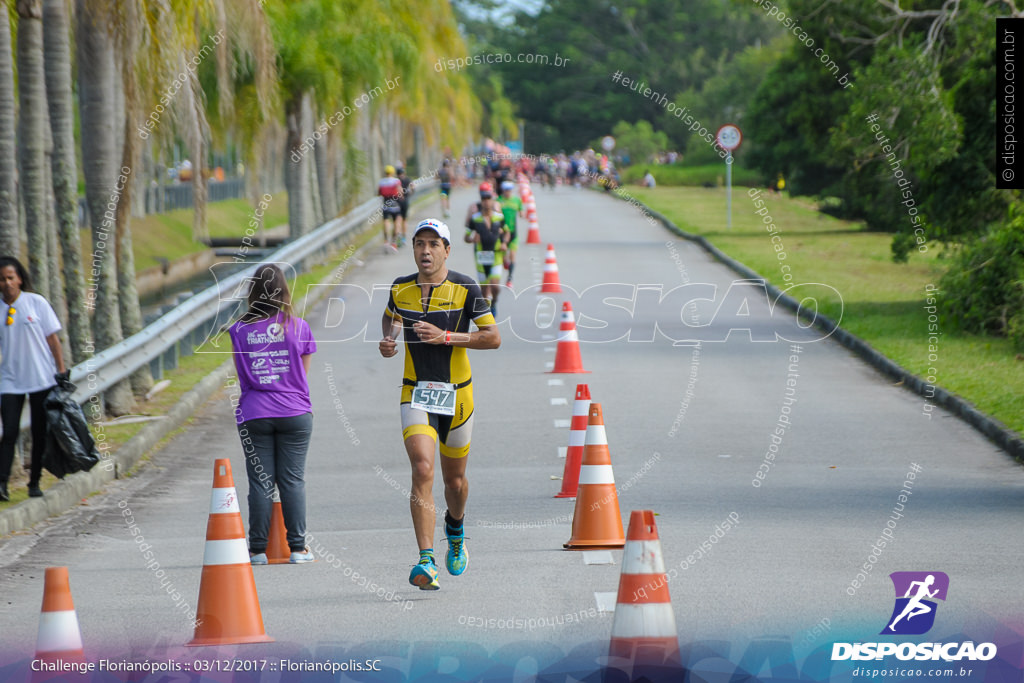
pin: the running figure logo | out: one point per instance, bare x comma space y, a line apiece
914, 612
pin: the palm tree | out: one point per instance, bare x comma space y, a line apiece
31, 138
58, 300
97, 97
10, 242
57, 54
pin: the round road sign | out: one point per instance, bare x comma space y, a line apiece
729, 137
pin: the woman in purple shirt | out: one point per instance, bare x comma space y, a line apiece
272, 350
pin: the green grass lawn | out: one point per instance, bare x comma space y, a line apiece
710, 174
169, 235
882, 302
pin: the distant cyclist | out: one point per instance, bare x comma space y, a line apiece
433, 309
390, 189
511, 210
486, 228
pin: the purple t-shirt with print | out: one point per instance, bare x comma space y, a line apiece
268, 358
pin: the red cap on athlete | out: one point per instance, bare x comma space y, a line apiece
486, 190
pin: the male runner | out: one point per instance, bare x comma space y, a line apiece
390, 188
511, 209
445, 176
403, 204
434, 307
485, 228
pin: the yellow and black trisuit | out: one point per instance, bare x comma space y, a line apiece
450, 306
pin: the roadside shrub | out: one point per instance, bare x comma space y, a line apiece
983, 291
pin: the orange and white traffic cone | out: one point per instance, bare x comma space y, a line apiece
278, 551
228, 610
550, 284
58, 636
533, 236
596, 521
577, 440
644, 627
567, 353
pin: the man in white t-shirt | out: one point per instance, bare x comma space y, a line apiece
30, 356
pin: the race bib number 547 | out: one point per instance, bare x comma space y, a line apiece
434, 397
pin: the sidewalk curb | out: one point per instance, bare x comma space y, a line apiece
70, 491
998, 433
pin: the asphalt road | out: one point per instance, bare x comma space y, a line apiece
690, 409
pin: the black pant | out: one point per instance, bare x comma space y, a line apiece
10, 413
275, 453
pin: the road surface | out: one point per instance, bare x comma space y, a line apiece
693, 414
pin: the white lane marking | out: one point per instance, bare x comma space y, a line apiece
562, 424
606, 601
562, 451
598, 557
559, 401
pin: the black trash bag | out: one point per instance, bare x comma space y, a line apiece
69, 444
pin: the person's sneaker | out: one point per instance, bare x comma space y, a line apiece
424, 575
4, 496
509, 284
456, 559
301, 556
35, 492
258, 558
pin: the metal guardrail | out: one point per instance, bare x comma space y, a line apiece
205, 311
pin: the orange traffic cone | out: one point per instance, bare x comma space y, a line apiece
228, 610
550, 283
278, 551
533, 236
596, 521
577, 440
58, 637
644, 628
567, 354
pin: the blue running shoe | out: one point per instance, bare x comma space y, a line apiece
457, 558
424, 575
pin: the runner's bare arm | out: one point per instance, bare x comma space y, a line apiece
486, 337
390, 328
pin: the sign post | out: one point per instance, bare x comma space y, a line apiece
729, 138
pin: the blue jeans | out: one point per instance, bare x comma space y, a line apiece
275, 454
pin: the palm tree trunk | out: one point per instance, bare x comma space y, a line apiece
322, 155
9, 230
296, 170
31, 141
57, 54
96, 93
315, 208
128, 299
128, 293
53, 256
